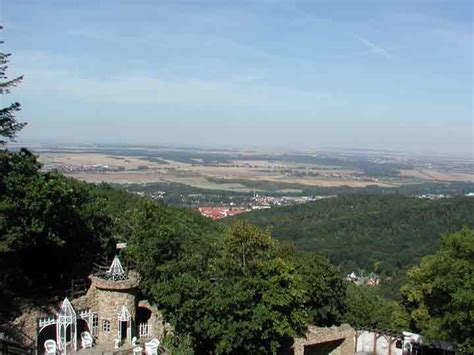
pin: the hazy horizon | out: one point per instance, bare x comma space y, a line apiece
389, 76
54, 143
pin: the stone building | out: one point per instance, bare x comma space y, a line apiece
110, 311
113, 296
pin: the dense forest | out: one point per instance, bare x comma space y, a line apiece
385, 234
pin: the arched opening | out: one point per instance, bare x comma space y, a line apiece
143, 316
48, 332
82, 326
124, 324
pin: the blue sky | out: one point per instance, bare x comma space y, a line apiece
376, 74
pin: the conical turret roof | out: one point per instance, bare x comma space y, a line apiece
66, 313
116, 271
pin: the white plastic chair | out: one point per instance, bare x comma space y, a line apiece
86, 340
50, 347
137, 350
134, 341
151, 347
117, 342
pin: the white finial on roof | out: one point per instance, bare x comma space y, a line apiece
66, 310
116, 271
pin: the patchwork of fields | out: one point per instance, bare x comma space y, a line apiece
244, 171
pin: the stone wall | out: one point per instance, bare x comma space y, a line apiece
107, 298
28, 324
340, 341
109, 305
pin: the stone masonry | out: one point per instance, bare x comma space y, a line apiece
343, 336
108, 297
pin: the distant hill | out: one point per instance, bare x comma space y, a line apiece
382, 233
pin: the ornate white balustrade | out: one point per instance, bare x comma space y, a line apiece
45, 321
145, 330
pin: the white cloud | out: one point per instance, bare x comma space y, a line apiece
373, 48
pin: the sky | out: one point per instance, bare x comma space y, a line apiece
297, 74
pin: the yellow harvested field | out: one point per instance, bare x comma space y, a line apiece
324, 182
141, 177
427, 174
148, 176
97, 159
124, 177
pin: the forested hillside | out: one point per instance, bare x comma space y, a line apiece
385, 234
53, 228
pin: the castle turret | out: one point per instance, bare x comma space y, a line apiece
115, 301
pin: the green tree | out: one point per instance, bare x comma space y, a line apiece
367, 309
159, 236
51, 228
439, 293
246, 246
9, 126
233, 294
325, 288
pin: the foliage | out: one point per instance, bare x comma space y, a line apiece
178, 345
241, 293
366, 309
384, 234
439, 293
158, 234
235, 294
51, 227
325, 289
9, 126
246, 247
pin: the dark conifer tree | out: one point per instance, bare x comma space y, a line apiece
9, 126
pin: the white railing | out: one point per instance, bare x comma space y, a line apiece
84, 314
43, 322
144, 330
